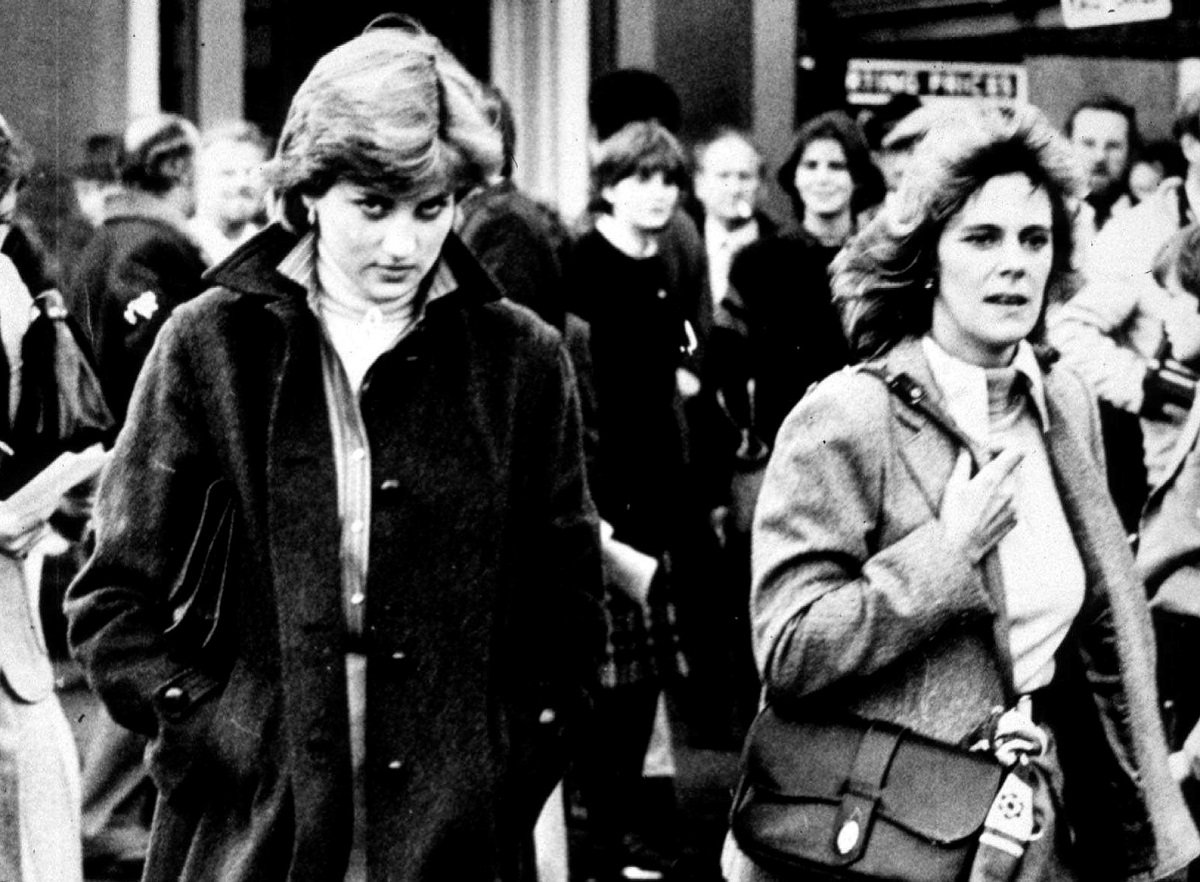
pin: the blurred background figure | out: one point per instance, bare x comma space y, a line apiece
1104, 132
230, 189
19, 240
520, 241
95, 179
39, 766
726, 184
1169, 540
620, 283
1111, 331
140, 264
779, 288
889, 154
143, 261
1154, 162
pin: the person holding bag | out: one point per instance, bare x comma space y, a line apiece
937, 566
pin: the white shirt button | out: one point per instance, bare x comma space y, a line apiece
358, 454
357, 526
357, 598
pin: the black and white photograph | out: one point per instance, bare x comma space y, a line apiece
599, 441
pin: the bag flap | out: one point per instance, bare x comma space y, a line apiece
936, 790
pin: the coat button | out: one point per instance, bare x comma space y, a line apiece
547, 716
395, 765
174, 700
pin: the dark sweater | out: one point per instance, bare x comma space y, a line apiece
636, 319
787, 334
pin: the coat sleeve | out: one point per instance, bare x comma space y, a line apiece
572, 538
1086, 330
148, 505
827, 604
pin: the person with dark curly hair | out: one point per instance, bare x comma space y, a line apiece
778, 299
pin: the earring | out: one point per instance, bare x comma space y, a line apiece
929, 284
312, 216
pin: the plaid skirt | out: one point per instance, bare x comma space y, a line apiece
642, 642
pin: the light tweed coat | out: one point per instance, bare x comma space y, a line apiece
860, 603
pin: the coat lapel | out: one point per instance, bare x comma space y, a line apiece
928, 449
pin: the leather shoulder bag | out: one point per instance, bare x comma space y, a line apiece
846, 798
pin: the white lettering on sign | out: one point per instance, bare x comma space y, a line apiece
875, 81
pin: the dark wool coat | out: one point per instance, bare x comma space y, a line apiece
482, 625
141, 248
858, 604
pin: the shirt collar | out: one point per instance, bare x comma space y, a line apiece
716, 234
300, 265
965, 385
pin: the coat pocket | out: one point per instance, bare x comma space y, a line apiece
199, 593
185, 707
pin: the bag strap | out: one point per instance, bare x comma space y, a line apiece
911, 393
862, 791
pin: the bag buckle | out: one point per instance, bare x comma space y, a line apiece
861, 793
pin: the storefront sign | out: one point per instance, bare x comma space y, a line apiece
1093, 13
875, 81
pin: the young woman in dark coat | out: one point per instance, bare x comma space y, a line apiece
367, 465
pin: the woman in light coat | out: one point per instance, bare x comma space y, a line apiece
39, 767
929, 549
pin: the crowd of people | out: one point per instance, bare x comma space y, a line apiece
428, 513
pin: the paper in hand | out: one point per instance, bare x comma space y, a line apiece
38, 498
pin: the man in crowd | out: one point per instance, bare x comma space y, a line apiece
230, 192
1112, 330
727, 182
1103, 130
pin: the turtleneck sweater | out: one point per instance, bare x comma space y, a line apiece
1044, 582
359, 329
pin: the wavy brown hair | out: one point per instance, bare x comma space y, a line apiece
392, 109
879, 278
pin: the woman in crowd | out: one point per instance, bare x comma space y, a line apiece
39, 768
940, 545
351, 482
778, 296
623, 289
